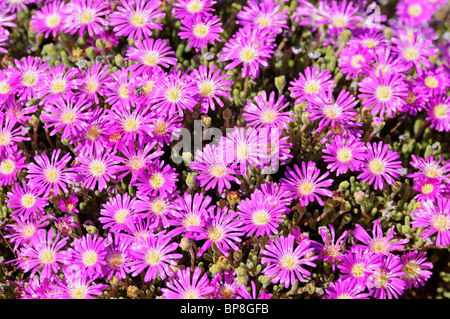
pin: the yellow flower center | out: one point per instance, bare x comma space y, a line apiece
130, 124
173, 94
52, 20
206, 88
340, 21
194, 6
312, 86
332, 111
411, 98
123, 91
153, 257
411, 269
87, 16
358, 270
306, 188
89, 258
47, 256
201, 30
148, 87
427, 188
58, 86
242, 151
268, 116
151, 58
190, 293
4, 87
52, 174
115, 260
161, 127
410, 53
97, 168
7, 166
383, 93
28, 200
136, 163
68, 117
248, 54
5, 138
158, 206
260, 217
29, 78
218, 170
344, 296
216, 234
441, 222
344, 154
369, 43
379, 245
376, 166
226, 291
415, 10
356, 59
431, 82
381, 278
78, 292
441, 111
191, 220
138, 19
157, 180
93, 133
263, 21
91, 86
288, 261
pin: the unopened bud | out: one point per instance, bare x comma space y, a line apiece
118, 60
344, 185
190, 180
227, 114
206, 121
280, 83
345, 206
132, 292
185, 244
91, 229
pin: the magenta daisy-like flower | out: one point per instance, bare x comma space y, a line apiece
24, 200
369, 38
156, 254
264, 15
166, 127
434, 81
306, 184
157, 179
86, 15
92, 138
434, 217
414, 52
199, 30
184, 8
386, 282
312, 82
354, 60
118, 90
417, 98
69, 115
145, 84
10, 135
331, 112
344, 154
331, 249
252, 47
220, 228
96, 169
136, 19
267, 113
254, 293
429, 168
345, 289
387, 61
18, 109
91, 82
226, 285
358, 264
49, 175
211, 86
49, 19
175, 93
76, 284
117, 257
384, 93
416, 269
29, 76
7, 87
285, 262
135, 159
212, 168
438, 112
380, 165
11, 163
339, 15
274, 149
43, 253
429, 188
259, 216
378, 242
116, 211
150, 53
188, 213
137, 227
158, 209
69, 205
188, 286
89, 254
415, 12
25, 228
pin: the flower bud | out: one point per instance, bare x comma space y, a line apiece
90, 53
240, 271
214, 269
227, 114
378, 123
346, 34
280, 83
206, 121
190, 180
359, 197
345, 206
344, 186
34, 120
185, 244
132, 292
118, 60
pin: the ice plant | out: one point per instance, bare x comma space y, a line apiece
136, 19
380, 165
332, 248
311, 82
344, 154
434, 217
150, 54
184, 8
199, 30
306, 184
345, 289
24, 200
357, 265
188, 285
416, 269
86, 15
156, 179
116, 211
49, 19
385, 282
264, 15
286, 262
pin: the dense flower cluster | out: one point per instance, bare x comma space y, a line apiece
304, 179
